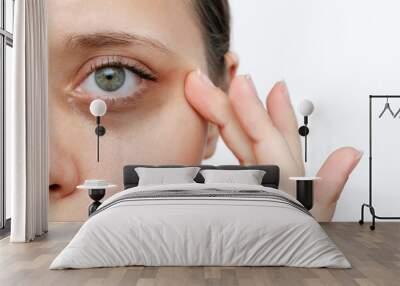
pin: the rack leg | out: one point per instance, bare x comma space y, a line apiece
372, 210
361, 221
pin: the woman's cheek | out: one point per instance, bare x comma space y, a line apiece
162, 128
184, 133
170, 133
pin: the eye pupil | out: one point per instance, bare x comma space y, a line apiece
110, 78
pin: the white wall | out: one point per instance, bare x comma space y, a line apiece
335, 53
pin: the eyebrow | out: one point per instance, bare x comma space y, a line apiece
108, 39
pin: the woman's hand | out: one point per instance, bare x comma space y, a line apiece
262, 136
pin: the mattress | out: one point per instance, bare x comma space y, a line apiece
201, 225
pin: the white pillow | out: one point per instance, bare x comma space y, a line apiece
162, 176
248, 177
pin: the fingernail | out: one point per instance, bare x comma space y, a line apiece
357, 159
284, 88
205, 79
250, 81
359, 155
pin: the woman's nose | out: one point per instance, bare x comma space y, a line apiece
64, 175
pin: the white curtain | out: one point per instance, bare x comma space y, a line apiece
26, 123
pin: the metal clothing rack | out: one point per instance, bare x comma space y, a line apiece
370, 204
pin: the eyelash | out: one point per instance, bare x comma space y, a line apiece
137, 70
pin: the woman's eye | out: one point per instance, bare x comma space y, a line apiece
111, 82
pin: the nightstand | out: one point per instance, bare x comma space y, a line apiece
304, 190
97, 190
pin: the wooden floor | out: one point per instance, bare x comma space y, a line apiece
375, 257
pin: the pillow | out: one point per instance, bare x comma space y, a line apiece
162, 176
248, 177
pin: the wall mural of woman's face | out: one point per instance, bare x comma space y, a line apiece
133, 54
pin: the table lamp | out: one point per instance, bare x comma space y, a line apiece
98, 108
306, 108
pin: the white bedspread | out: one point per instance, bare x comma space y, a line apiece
183, 231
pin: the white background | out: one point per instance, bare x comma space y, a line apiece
334, 53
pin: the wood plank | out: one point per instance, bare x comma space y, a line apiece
375, 257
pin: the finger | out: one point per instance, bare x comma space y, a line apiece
213, 104
334, 173
283, 116
269, 146
269, 143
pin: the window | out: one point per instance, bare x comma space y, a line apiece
6, 62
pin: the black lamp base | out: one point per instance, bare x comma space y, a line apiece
100, 130
304, 131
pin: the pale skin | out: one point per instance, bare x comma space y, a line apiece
176, 119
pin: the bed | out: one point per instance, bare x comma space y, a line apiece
201, 224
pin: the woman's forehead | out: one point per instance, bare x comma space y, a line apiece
169, 23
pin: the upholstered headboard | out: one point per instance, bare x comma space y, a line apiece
270, 179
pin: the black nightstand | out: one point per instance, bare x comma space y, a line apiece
304, 190
96, 193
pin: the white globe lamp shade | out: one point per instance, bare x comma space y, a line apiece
306, 107
98, 107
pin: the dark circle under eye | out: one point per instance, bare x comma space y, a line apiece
110, 78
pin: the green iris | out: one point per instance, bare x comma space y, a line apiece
110, 78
